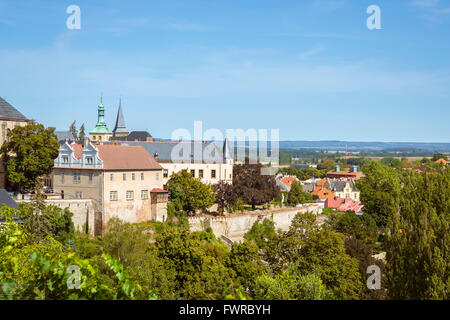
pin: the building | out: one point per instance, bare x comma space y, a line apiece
100, 133
120, 130
212, 165
322, 192
124, 181
10, 118
354, 174
342, 204
344, 189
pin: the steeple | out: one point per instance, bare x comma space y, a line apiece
120, 129
226, 150
101, 126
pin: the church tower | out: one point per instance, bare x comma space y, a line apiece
120, 130
100, 133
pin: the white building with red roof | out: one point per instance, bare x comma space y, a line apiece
124, 181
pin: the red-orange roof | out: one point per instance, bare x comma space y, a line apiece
288, 181
441, 160
322, 193
117, 157
77, 150
346, 173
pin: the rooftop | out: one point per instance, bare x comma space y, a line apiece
8, 112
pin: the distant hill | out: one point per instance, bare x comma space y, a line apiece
365, 146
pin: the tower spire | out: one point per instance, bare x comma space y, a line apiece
120, 130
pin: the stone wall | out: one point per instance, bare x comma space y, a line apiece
235, 226
84, 213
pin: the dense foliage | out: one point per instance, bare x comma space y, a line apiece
28, 154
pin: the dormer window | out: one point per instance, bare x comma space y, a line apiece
89, 160
65, 159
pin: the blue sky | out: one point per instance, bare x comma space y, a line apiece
311, 69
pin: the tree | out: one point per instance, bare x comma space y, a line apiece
73, 130
82, 134
380, 192
357, 249
225, 196
189, 194
438, 156
253, 187
297, 196
321, 251
246, 262
29, 154
361, 227
391, 162
42, 221
326, 164
418, 238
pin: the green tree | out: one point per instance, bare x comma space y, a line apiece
297, 196
380, 192
189, 194
29, 154
438, 156
418, 238
361, 227
391, 162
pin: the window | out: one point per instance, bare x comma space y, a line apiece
213, 174
111, 177
144, 194
193, 173
91, 176
157, 176
65, 159
100, 138
113, 195
79, 195
62, 177
76, 177
200, 173
142, 176
124, 177
133, 176
130, 195
165, 173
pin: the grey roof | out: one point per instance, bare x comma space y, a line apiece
340, 185
120, 122
138, 135
226, 150
8, 112
6, 199
180, 151
64, 135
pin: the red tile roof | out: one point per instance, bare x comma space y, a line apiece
117, 157
441, 160
77, 150
322, 193
288, 181
342, 204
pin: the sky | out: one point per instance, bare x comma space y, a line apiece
311, 68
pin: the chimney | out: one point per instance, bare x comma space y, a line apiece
156, 156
